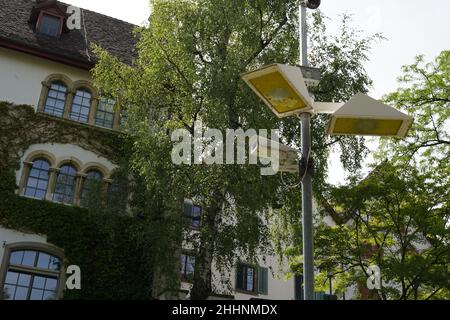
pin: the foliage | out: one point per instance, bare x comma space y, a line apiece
341, 58
117, 239
21, 126
190, 59
397, 220
188, 69
115, 263
425, 95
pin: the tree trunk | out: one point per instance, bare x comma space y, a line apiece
202, 287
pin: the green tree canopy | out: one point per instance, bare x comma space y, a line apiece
188, 66
400, 213
397, 219
424, 94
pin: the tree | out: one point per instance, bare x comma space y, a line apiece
188, 67
397, 219
425, 95
400, 213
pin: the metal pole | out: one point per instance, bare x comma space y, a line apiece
303, 36
307, 221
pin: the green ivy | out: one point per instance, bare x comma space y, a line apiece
114, 263
21, 127
112, 248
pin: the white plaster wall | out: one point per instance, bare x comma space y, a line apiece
8, 236
186, 286
63, 151
279, 288
21, 76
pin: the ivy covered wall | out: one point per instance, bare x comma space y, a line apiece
114, 260
113, 249
21, 127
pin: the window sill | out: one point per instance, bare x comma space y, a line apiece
51, 201
81, 124
250, 293
187, 279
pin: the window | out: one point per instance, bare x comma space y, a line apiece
50, 25
187, 265
105, 113
56, 99
65, 184
31, 275
92, 185
194, 213
81, 106
37, 182
246, 278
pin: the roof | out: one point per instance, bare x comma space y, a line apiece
17, 32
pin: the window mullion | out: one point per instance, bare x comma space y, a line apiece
30, 287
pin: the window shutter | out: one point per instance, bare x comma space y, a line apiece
187, 209
240, 278
298, 287
263, 274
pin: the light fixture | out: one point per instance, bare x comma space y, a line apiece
364, 116
265, 148
282, 88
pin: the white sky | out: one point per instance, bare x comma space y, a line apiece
411, 27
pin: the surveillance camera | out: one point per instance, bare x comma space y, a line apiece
312, 4
267, 149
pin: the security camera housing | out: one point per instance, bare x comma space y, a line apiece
287, 156
312, 4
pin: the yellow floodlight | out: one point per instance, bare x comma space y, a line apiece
364, 116
282, 88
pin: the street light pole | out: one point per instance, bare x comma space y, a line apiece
361, 115
307, 220
303, 35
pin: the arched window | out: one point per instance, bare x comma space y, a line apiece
56, 99
37, 183
105, 113
31, 274
91, 187
81, 106
65, 184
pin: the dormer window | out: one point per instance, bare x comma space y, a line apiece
49, 25
48, 18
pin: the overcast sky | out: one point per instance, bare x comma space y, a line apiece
411, 27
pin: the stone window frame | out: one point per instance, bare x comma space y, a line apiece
117, 113
86, 94
55, 165
39, 247
74, 163
106, 177
72, 87
26, 171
